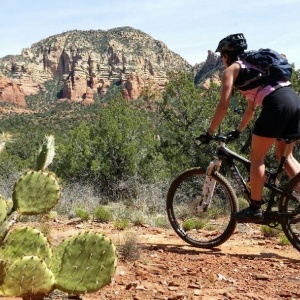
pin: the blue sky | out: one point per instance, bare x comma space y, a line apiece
188, 27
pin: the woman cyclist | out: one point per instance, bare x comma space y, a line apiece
279, 118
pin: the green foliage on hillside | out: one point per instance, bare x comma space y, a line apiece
114, 145
183, 114
295, 80
119, 145
46, 97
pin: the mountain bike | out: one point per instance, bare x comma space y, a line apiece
201, 201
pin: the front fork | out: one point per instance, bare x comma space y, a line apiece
208, 186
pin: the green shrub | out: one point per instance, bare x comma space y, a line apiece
121, 224
161, 222
283, 240
138, 219
270, 231
192, 223
102, 214
82, 214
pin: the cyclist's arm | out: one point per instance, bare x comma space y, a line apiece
228, 78
248, 114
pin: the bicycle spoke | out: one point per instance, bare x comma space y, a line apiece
199, 224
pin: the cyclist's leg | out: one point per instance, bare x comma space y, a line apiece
291, 166
266, 131
259, 148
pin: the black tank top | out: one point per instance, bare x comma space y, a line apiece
249, 78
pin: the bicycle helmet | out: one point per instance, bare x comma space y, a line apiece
233, 42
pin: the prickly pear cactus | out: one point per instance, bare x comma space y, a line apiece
27, 276
9, 205
3, 264
28, 269
7, 224
4, 138
3, 209
26, 241
36, 192
46, 153
84, 263
6, 206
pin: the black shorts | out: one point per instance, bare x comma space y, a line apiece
280, 115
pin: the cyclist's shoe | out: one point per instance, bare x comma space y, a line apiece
248, 215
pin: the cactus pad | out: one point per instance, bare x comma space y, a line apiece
4, 138
84, 263
46, 153
3, 264
7, 224
27, 276
36, 192
26, 241
3, 209
9, 205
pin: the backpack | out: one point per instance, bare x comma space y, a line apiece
272, 66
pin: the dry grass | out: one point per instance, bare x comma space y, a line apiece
128, 248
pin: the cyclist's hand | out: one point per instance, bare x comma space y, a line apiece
234, 134
204, 138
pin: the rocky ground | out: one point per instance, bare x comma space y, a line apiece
247, 266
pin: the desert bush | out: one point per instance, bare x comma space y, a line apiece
268, 231
77, 195
121, 224
190, 224
148, 203
116, 147
138, 218
82, 214
102, 214
161, 221
129, 248
7, 182
283, 240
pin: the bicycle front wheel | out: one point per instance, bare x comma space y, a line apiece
211, 227
289, 205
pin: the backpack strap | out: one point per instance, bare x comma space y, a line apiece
246, 82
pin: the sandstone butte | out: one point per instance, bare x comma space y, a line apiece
89, 62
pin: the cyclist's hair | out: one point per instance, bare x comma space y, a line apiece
232, 56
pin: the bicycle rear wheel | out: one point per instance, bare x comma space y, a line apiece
290, 204
211, 227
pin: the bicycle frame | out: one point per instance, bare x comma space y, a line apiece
213, 194
228, 156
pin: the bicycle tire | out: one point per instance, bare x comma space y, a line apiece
290, 203
207, 229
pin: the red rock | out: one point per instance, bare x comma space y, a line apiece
11, 92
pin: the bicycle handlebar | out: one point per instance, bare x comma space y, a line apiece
225, 138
